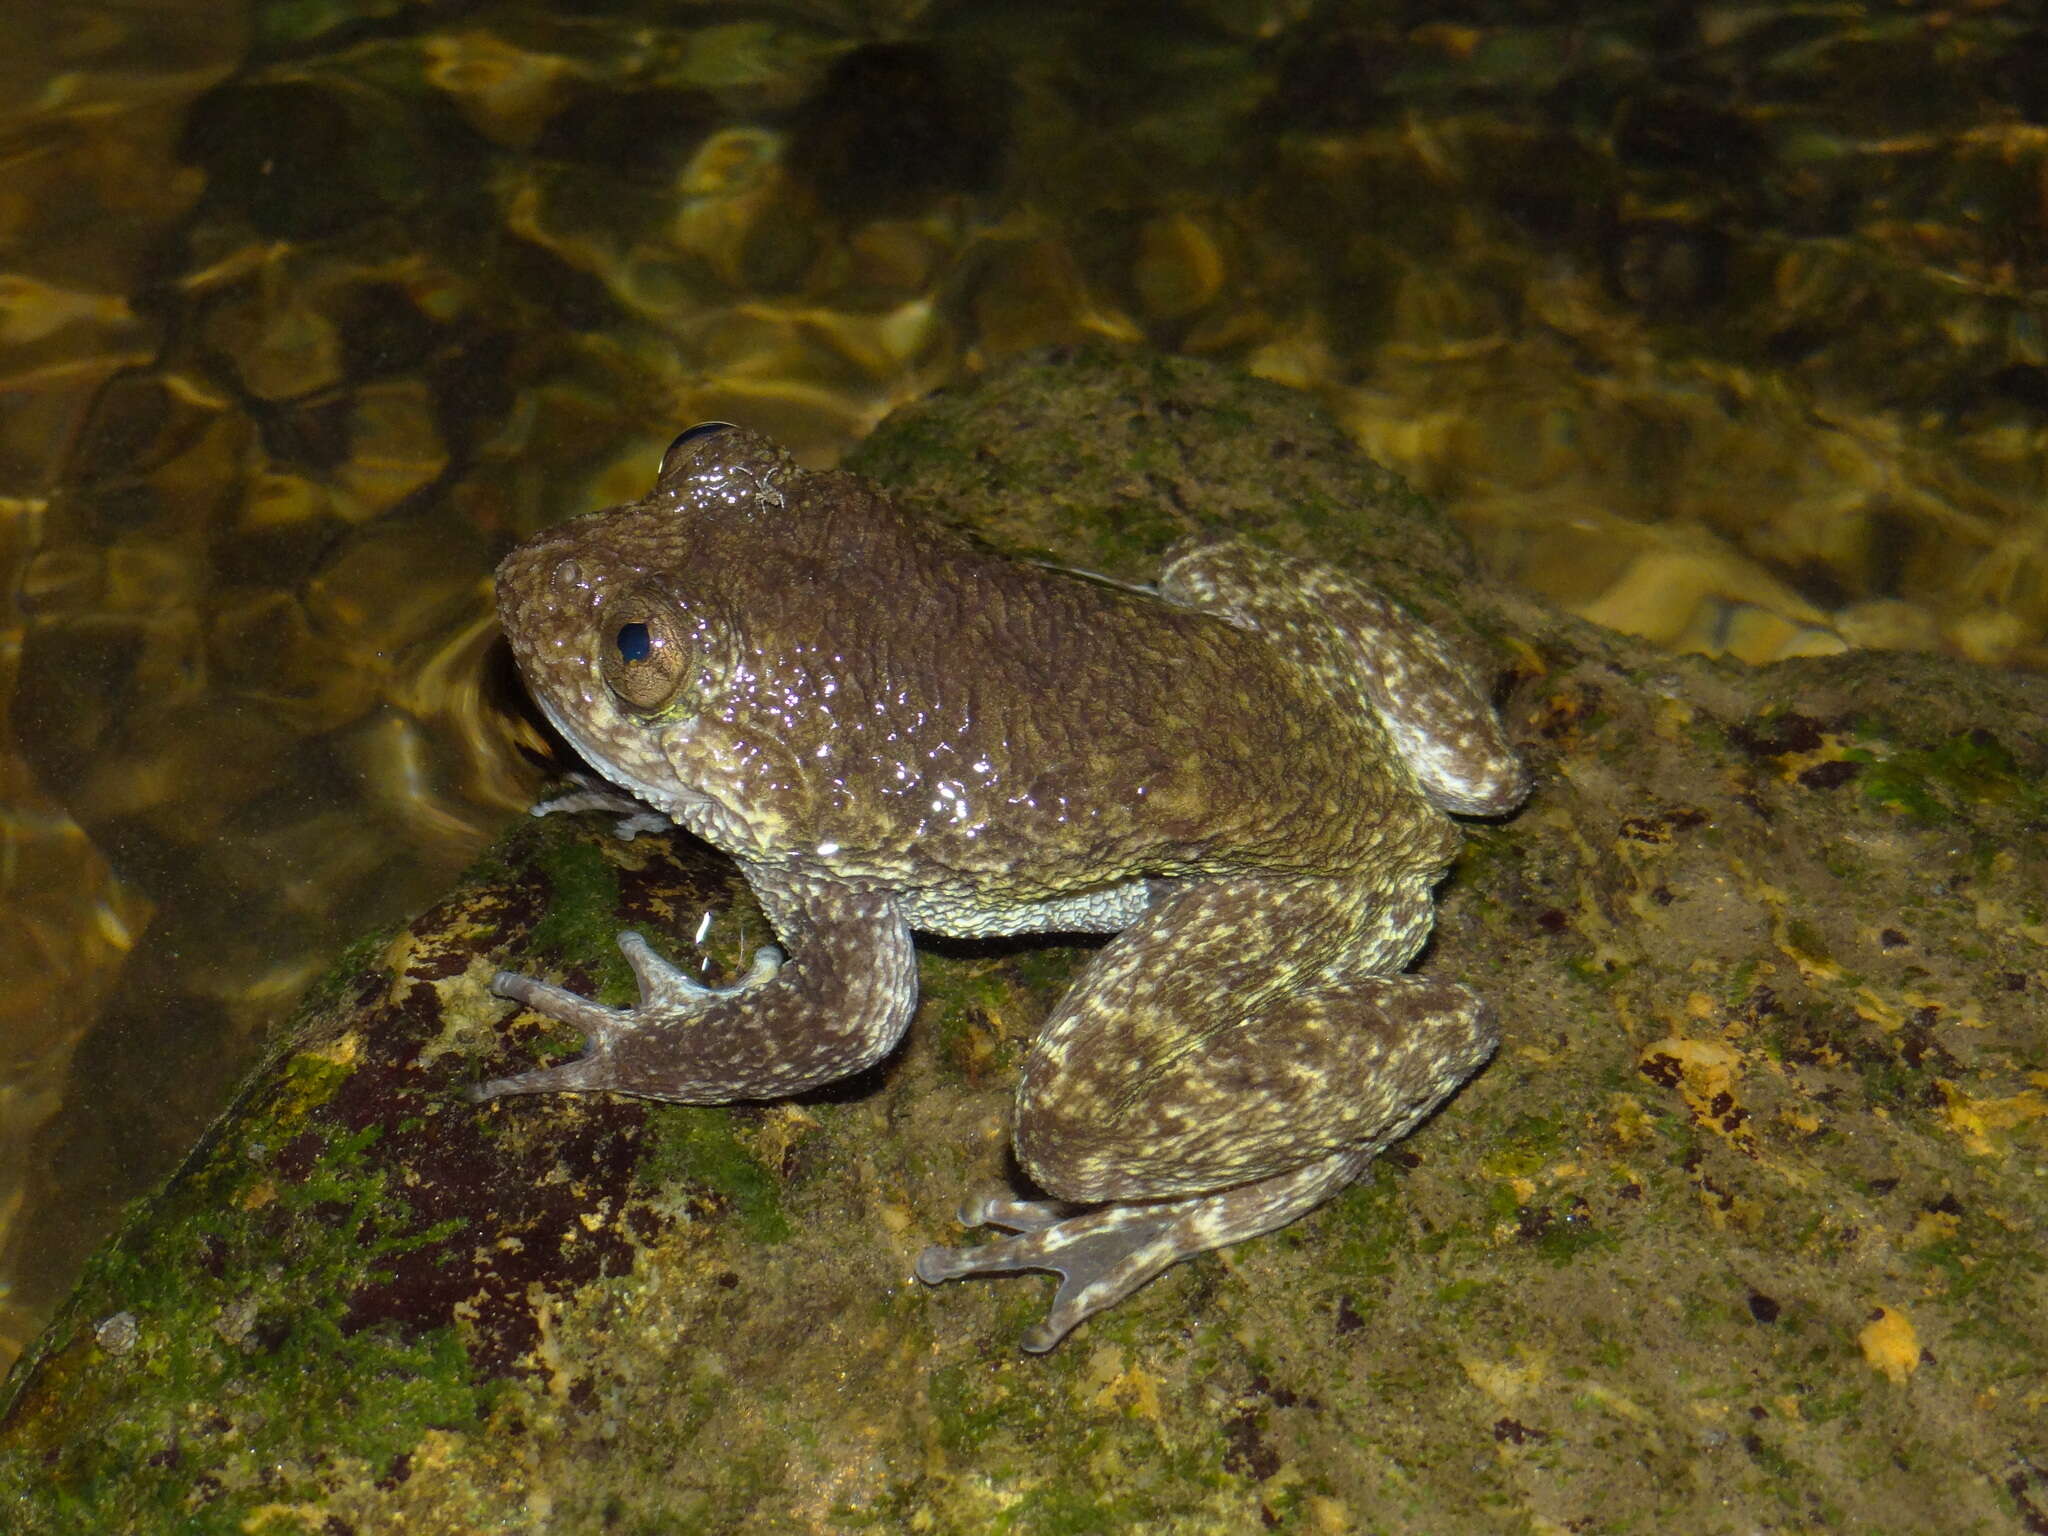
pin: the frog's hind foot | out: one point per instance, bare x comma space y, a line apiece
1104, 1254
1100, 1257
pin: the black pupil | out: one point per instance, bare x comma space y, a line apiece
634, 642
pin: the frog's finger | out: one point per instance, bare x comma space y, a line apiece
560, 1003
663, 985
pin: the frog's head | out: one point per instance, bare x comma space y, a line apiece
675, 641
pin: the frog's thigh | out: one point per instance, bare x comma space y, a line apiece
1187, 1062
1336, 625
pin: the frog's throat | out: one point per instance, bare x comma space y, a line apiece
678, 802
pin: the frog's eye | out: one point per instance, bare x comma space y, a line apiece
645, 654
688, 439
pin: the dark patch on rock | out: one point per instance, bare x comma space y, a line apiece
1245, 1450
1778, 735
1830, 775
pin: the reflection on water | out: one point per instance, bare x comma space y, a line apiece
1718, 326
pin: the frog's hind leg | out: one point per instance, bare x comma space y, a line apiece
1363, 647
1232, 1058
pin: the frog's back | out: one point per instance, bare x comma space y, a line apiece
1049, 731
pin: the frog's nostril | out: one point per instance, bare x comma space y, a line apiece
567, 577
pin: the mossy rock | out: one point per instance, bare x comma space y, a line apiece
1740, 1230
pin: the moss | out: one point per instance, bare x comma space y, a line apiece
361, 957
1459, 1295
1969, 769
975, 1404
1899, 786
966, 1009
1371, 1208
1770, 1458
1595, 973
1888, 1083
695, 1146
1610, 1355
1976, 765
581, 923
223, 1359
1808, 941
1823, 1407
495, 866
1740, 980
1565, 1242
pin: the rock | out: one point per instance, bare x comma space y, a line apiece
1740, 1228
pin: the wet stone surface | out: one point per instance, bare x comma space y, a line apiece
1738, 1231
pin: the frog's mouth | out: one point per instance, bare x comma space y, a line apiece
675, 801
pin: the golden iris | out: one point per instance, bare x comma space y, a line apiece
644, 655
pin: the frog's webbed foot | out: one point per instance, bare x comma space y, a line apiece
668, 997
1103, 1255
595, 794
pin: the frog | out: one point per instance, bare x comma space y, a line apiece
1245, 774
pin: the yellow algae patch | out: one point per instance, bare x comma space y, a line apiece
1931, 1227
1975, 1119
1995, 916
1875, 1010
1507, 1381
1670, 718
1329, 1515
1803, 944
274, 1517
1615, 1403
344, 1050
1890, 1344
1130, 1390
1797, 938
1705, 1073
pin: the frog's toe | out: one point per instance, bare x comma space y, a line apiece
578, 1076
1100, 1257
545, 997
1103, 1254
664, 988
1015, 1215
595, 794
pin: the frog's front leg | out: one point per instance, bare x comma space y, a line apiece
1232, 1059
837, 1005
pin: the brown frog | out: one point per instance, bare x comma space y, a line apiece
1243, 774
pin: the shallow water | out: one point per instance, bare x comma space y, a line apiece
1726, 332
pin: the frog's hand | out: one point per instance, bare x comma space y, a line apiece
1362, 645
839, 1005
1104, 1255
594, 794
